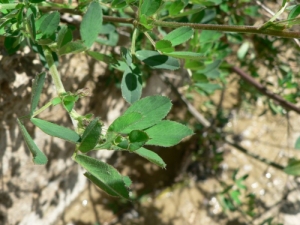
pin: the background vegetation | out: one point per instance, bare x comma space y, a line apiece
222, 63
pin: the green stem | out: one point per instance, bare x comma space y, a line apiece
150, 39
42, 109
134, 35
53, 71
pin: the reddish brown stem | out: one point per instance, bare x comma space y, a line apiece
262, 89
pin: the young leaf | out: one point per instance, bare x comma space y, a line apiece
56, 130
167, 133
69, 102
124, 121
149, 7
179, 35
39, 157
102, 57
293, 168
90, 136
131, 85
151, 156
72, 47
64, 36
91, 24
137, 139
104, 176
36, 91
157, 61
164, 46
146, 22
47, 24
153, 109
186, 55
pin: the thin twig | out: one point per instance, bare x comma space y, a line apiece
262, 89
201, 119
206, 123
257, 157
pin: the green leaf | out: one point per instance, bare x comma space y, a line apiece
64, 36
186, 55
153, 109
199, 77
11, 44
39, 157
167, 133
126, 55
164, 46
151, 156
210, 36
31, 26
120, 65
105, 176
241, 53
176, 7
294, 12
235, 194
102, 57
37, 88
118, 4
90, 136
131, 85
179, 35
56, 101
112, 39
127, 181
47, 24
297, 144
149, 7
157, 61
91, 24
211, 70
69, 102
137, 139
293, 168
56, 130
124, 121
72, 47
146, 22
209, 88
107, 28
188, 12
